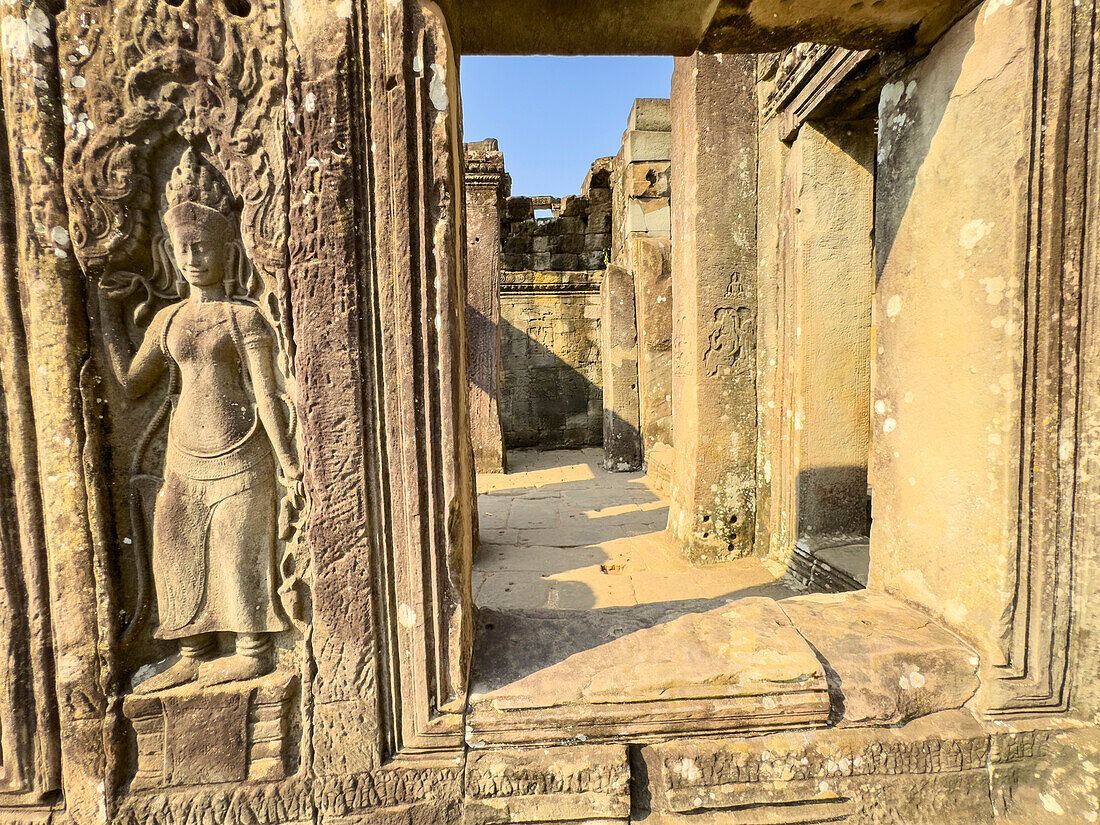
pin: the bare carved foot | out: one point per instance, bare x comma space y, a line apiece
237, 667
184, 671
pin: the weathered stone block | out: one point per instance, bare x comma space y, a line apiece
599, 223
648, 180
714, 296
650, 114
597, 241
519, 209
574, 207
595, 260
641, 146
622, 439
564, 261
739, 667
570, 243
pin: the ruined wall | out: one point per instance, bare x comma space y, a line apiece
551, 377
576, 238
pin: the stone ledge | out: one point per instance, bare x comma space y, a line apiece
941, 766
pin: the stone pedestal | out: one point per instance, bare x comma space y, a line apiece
486, 187
714, 294
197, 736
622, 442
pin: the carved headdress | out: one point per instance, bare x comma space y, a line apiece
198, 198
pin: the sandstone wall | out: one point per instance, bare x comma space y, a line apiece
951, 307
551, 375
552, 267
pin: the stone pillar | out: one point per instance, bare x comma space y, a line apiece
651, 268
641, 244
486, 188
714, 295
622, 440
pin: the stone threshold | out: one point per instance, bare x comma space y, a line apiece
659, 672
833, 564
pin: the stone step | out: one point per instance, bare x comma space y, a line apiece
641, 675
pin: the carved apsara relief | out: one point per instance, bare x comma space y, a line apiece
177, 188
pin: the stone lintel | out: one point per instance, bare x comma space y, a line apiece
680, 27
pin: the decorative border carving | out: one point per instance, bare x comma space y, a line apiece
1036, 638
296, 800
530, 281
806, 76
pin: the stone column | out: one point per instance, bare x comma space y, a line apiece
641, 244
486, 187
622, 442
714, 295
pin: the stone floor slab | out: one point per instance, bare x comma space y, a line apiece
598, 538
637, 674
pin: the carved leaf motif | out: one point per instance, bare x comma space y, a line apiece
140, 75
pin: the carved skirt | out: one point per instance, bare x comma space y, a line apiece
214, 541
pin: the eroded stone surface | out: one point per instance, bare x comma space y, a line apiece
887, 663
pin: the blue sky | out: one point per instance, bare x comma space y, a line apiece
553, 116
